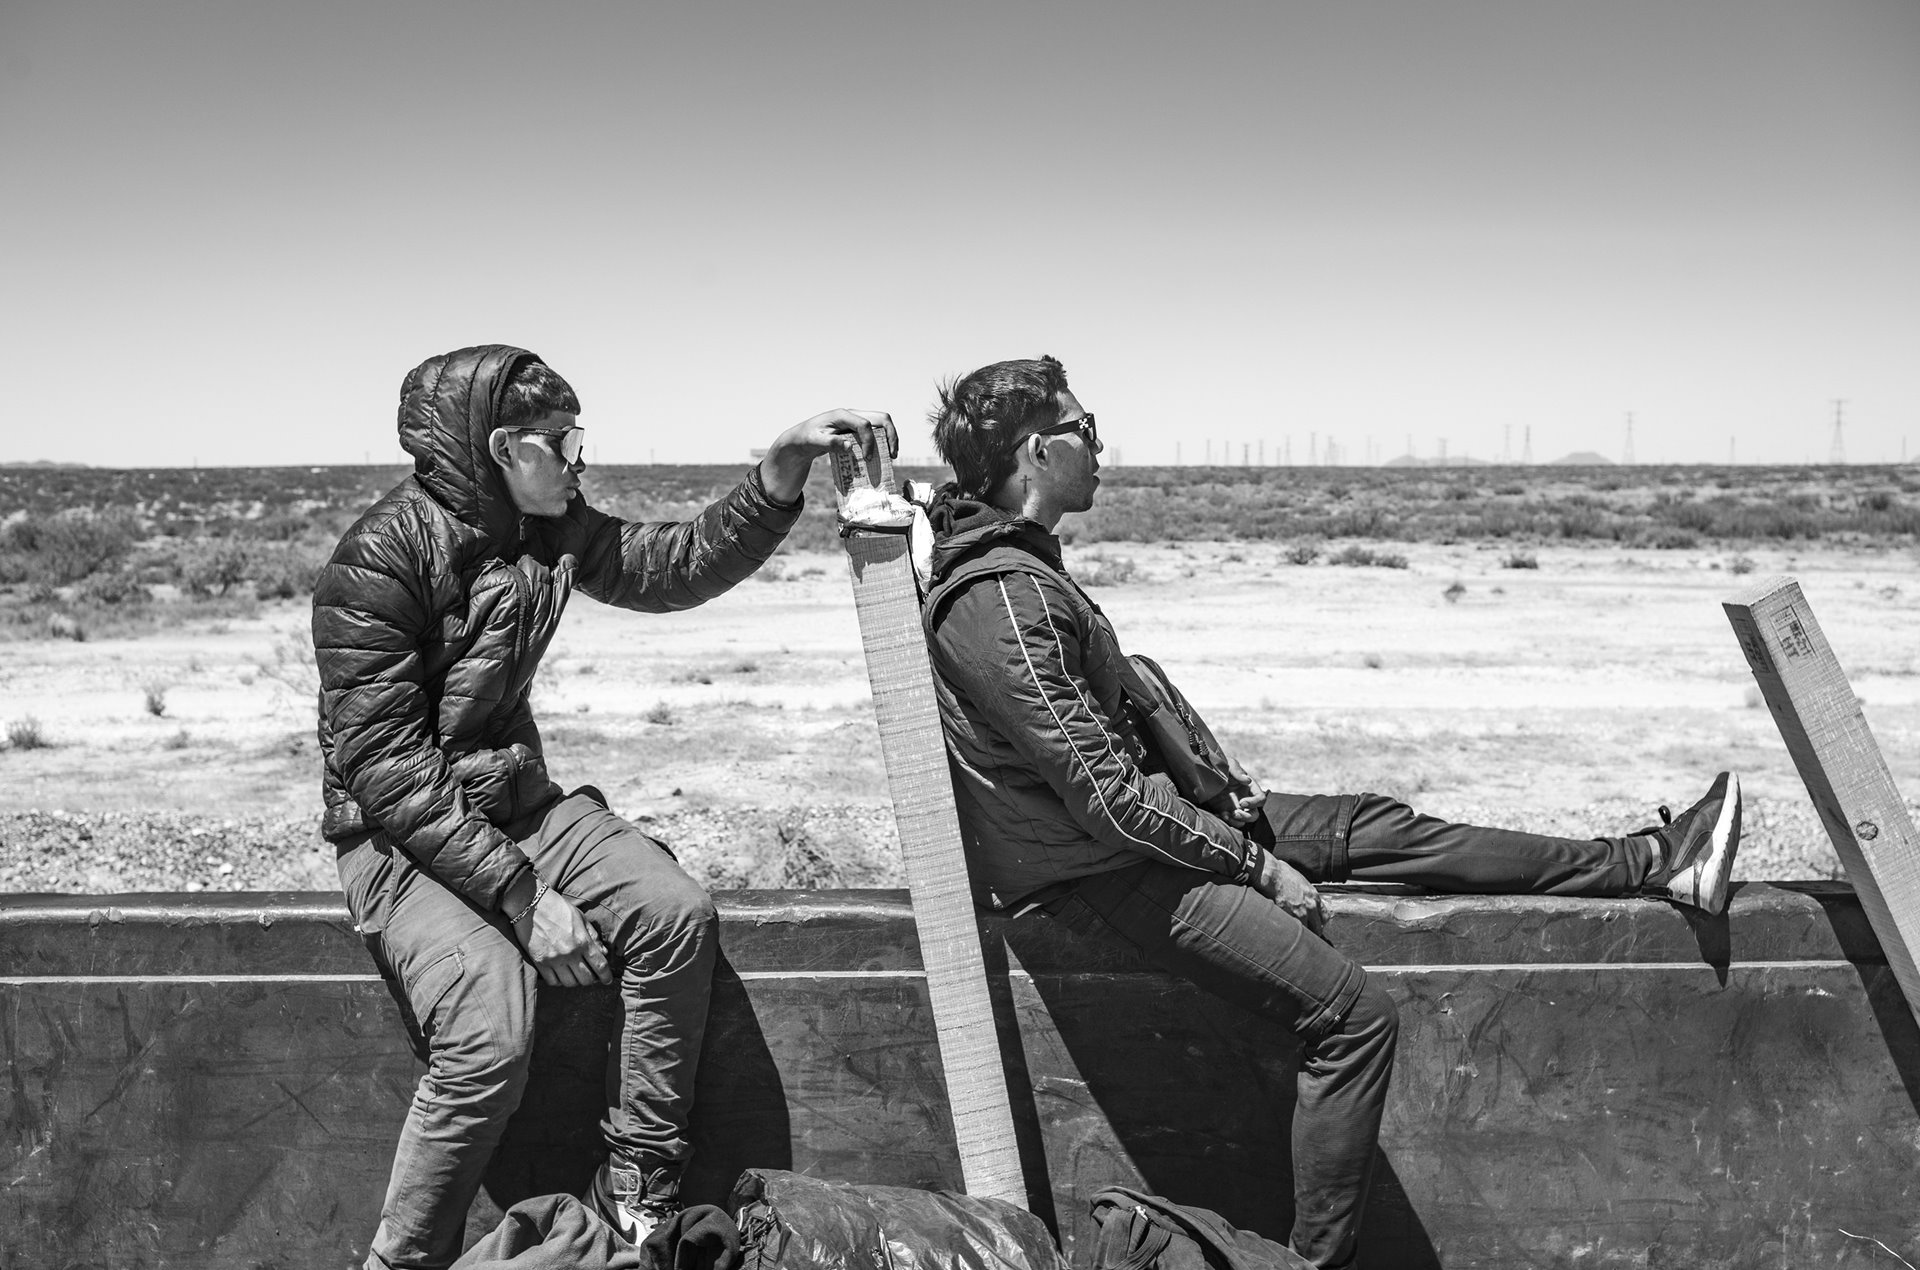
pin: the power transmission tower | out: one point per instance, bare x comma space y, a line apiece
1526, 444
1244, 451
1839, 453
1626, 455
1263, 451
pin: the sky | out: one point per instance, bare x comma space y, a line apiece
231, 228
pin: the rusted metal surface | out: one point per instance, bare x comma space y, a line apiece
1580, 1083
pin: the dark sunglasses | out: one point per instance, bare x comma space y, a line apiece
1084, 425
572, 441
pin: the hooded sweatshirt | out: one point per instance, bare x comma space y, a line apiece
1049, 770
432, 615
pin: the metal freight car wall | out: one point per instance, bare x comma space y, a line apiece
217, 1081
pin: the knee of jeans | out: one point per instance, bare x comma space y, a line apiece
1374, 1015
680, 916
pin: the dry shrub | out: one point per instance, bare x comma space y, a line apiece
1095, 569
1356, 556
64, 548
24, 733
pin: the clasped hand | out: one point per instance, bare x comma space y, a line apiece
562, 946
1246, 796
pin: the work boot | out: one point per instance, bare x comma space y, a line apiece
1698, 845
633, 1201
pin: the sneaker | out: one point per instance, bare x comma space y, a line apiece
1699, 844
633, 1202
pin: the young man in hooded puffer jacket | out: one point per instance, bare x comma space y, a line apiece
469, 873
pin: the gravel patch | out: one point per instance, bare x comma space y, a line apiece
835, 845
104, 853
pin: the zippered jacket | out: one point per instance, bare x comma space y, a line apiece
1047, 760
432, 615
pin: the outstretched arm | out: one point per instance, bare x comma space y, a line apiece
788, 460
663, 567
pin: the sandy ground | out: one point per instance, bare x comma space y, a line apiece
1572, 698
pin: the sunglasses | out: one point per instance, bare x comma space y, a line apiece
572, 441
1084, 425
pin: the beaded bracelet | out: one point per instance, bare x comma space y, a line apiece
539, 891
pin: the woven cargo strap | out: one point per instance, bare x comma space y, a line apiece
888, 603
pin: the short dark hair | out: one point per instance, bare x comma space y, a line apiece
532, 392
981, 418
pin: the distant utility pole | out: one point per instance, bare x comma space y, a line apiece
1245, 451
1526, 444
1626, 455
1839, 454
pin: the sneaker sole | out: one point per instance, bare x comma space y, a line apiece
1716, 871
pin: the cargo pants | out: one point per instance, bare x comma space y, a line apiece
466, 991
1241, 946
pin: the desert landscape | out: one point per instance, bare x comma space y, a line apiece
1542, 648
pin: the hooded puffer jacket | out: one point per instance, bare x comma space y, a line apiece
431, 617
1049, 769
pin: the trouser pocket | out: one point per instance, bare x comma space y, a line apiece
418, 1000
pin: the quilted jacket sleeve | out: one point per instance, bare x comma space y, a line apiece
1009, 642
661, 567
369, 613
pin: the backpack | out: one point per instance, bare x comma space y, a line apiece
1180, 743
1181, 739
1145, 1232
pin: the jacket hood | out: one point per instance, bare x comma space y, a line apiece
448, 405
964, 525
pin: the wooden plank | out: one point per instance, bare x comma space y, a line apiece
1845, 774
887, 600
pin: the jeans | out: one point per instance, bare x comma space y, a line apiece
1239, 945
466, 993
